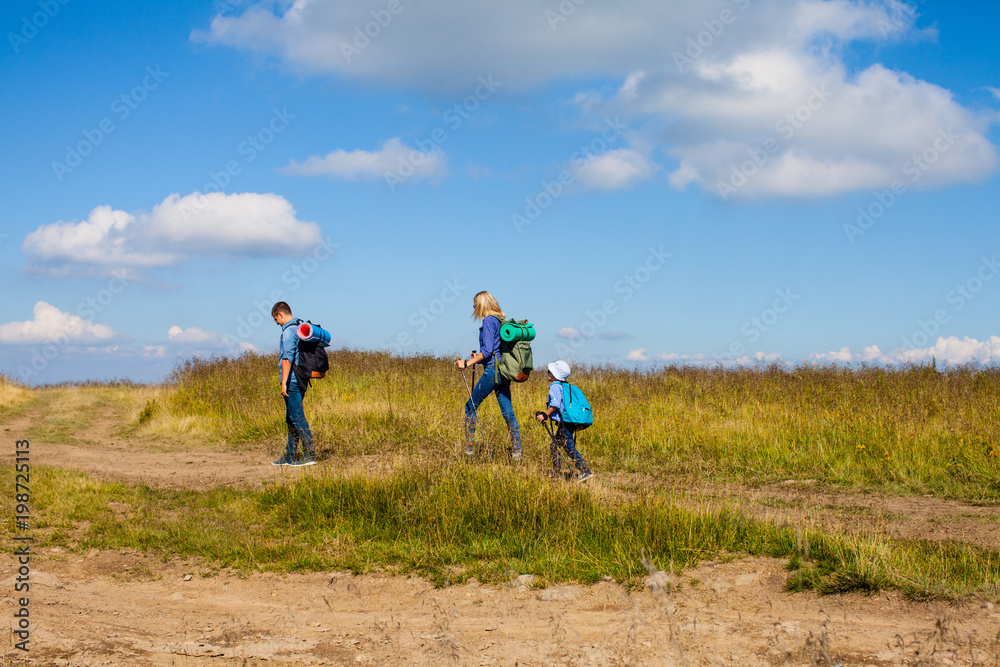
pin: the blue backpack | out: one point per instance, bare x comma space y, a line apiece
576, 410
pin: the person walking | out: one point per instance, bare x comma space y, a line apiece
565, 435
486, 309
292, 391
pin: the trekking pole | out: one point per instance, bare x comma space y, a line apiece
469, 390
548, 429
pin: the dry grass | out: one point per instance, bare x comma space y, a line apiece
907, 431
13, 396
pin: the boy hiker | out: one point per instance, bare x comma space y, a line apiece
292, 390
565, 436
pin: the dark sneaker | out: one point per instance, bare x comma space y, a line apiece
304, 461
585, 476
283, 461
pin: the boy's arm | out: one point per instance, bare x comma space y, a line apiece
286, 368
545, 414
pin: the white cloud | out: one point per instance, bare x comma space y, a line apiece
51, 325
569, 332
394, 157
214, 224
945, 351
208, 341
711, 105
615, 169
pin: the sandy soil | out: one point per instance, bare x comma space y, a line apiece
109, 608
127, 609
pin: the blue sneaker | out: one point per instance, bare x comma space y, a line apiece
304, 461
283, 461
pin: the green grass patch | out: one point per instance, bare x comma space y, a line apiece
476, 521
911, 430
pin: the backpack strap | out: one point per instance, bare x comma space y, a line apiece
496, 362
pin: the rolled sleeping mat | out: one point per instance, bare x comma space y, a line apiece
310, 331
513, 332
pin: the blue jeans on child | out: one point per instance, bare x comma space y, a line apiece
295, 418
483, 388
566, 438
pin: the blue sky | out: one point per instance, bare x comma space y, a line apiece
671, 182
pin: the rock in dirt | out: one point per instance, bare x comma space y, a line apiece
561, 593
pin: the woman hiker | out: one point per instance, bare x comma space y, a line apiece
486, 308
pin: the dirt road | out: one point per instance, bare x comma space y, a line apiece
110, 608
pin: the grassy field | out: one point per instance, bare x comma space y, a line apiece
903, 431
13, 396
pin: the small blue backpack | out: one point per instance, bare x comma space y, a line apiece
576, 410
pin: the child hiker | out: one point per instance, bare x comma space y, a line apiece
486, 308
565, 436
292, 390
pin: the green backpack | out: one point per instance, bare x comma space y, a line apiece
515, 363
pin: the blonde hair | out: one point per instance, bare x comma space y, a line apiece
485, 305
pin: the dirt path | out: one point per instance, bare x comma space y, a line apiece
100, 449
126, 609
109, 608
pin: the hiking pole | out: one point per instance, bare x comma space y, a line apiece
482, 427
552, 435
469, 390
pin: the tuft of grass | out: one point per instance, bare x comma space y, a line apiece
14, 397
910, 430
477, 521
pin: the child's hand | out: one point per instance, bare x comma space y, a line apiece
541, 416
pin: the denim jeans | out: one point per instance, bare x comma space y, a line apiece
295, 418
483, 388
566, 438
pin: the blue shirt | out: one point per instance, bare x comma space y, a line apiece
489, 339
288, 348
556, 400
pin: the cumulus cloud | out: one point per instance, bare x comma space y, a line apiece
945, 351
51, 325
393, 158
615, 169
207, 341
948, 351
213, 224
747, 99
